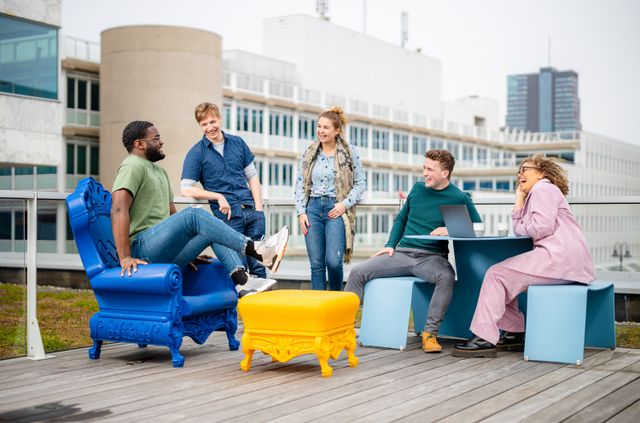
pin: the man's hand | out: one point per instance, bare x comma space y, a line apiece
202, 259
303, 221
441, 231
386, 250
224, 207
128, 263
337, 210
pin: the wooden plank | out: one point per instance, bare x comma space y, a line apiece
581, 399
518, 393
552, 396
620, 362
629, 414
285, 389
610, 405
635, 367
497, 379
165, 382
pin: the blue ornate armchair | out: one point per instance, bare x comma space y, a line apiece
160, 303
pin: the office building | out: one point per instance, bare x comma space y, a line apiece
544, 102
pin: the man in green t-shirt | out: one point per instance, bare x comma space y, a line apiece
148, 229
424, 259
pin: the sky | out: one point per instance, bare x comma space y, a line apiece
479, 42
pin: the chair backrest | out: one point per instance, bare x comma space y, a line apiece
89, 208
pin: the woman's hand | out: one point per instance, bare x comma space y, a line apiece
521, 196
303, 221
128, 263
337, 210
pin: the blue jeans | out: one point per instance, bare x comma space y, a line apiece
325, 244
252, 224
182, 237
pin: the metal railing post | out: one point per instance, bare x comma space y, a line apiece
35, 348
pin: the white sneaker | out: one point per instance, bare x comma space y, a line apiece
254, 285
272, 249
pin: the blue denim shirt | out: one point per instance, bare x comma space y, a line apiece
323, 181
221, 174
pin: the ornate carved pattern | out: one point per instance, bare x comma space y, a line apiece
285, 347
128, 330
200, 327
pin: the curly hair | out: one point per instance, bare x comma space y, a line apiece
134, 131
444, 157
205, 109
336, 115
551, 170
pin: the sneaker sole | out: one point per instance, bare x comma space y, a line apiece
276, 262
266, 286
492, 353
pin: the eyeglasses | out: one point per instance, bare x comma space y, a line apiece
523, 168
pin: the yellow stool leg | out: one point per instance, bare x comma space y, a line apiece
322, 350
245, 364
351, 349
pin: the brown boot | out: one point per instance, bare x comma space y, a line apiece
430, 343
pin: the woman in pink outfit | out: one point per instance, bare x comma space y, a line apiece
559, 255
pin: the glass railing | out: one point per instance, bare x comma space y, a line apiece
611, 226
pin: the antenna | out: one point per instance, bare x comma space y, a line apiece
322, 7
404, 31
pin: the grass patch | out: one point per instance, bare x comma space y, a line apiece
63, 316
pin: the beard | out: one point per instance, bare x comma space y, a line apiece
154, 154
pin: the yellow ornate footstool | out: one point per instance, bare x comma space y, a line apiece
289, 323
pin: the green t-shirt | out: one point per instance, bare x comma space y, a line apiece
421, 214
149, 185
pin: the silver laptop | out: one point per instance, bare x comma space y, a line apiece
457, 220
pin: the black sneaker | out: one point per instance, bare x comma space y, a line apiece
511, 341
475, 347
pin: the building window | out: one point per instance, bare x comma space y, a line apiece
306, 128
486, 185
419, 145
28, 177
28, 58
380, 223
468, 185
280, 174
359, 136
361, 224
437, 144
83, 101
401, 143
401, 183
380, 181
249, 119
380, 139
280, 123
502, 185
226, 115
83, 159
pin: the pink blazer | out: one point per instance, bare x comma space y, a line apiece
559, 247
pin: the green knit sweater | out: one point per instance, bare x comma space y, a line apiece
421, 215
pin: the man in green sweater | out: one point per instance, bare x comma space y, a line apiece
424, 259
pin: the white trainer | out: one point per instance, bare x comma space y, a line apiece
272, 249
255, 285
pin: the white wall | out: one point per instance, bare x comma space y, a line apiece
46, 11
347, 63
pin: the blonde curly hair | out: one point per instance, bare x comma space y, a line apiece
551, 170
336, 115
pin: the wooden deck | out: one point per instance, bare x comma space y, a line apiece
131, 384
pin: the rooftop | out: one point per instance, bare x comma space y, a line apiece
131, 384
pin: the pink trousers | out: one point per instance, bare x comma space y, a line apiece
497, 306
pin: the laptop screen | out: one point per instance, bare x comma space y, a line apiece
457, 220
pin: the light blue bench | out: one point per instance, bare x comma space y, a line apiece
564, 319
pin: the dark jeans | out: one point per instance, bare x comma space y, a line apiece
252, 224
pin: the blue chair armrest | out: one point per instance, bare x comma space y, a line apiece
150, 279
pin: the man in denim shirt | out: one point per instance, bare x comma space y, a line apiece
225, 167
